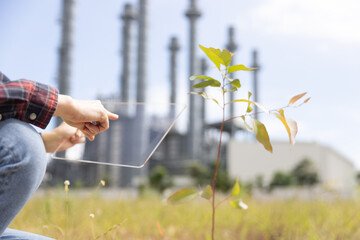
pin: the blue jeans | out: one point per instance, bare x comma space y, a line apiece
22, 168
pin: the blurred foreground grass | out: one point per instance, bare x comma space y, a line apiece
137, 219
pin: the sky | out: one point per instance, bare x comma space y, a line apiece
308, 46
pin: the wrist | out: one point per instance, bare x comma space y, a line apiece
64, 103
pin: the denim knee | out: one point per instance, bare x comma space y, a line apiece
22, 151
22, 167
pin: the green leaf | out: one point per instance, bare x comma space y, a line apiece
240, 100
247, 126
262, 135
236, 189
233, 89
207, 193
194, 77
236, 83
183, 194
236, 68
225, 56
249, 108
211, 83
213, 55
297, 97
239, 204
206, 96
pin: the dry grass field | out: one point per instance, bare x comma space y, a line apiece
92, 216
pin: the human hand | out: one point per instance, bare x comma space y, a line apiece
63, 135
89, 116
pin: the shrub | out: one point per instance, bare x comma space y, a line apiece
160, 179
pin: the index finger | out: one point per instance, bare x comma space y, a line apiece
112, 116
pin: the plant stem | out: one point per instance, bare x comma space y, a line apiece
67, 214
217, 165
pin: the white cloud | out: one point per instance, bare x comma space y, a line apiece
323, 19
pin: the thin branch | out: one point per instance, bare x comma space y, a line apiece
225, 199
252, 114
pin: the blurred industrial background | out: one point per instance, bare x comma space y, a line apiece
155, 52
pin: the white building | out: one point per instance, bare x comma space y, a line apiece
246, 161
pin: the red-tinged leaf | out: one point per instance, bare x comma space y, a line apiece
262, 135
306, 100
160, 229
207, 193
293, 129
280, 115
183, 194
297, 97
290, 125
236, 189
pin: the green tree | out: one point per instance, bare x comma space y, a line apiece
200, 173
281, 179
160, 179
305, 173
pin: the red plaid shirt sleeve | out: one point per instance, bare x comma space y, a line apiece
28, 101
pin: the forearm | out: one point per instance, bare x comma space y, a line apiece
51, 141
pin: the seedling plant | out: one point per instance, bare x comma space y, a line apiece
226, 85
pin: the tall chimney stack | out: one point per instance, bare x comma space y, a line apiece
65, 51
204, 67
231, 46
255, 64
61, 169
141, 58
128, 16
174, 48
194, 129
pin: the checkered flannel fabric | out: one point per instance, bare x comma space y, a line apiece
27, 101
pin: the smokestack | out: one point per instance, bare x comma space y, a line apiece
255, 79
61, 169
194, 130
174, 48
65, 51
204, 67
231, 46
128, 16
141, 59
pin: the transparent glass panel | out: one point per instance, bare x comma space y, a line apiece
131, 140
